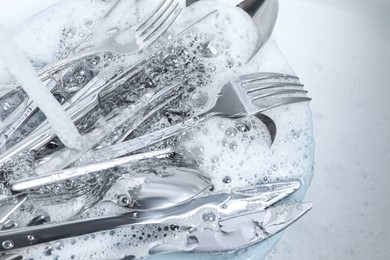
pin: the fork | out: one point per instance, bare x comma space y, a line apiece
246, 95
86, 99
144, 32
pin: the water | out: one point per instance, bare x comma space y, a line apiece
20, 68
234, 153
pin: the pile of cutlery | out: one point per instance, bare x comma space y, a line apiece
167, 188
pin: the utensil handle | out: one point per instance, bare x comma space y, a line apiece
43, 134
29, 109
50, 232
34, 235
70, 173
149, 139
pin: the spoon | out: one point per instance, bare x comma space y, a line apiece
150, 188
164, 187
264, 14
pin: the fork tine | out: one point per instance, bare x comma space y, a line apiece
109, 12
272, 85
142, 23
281, 101
280, 93
271, 95
156, 16
259, 76
160, 26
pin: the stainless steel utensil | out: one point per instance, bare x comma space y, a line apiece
19, 116
167, 187
135, 38
130, 40
12, 257
74, 172
220, 217
8, 206
141, 186
264, 14
84, 102
246, 95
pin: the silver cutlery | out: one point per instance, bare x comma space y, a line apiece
12, 257
85, 101
264, 88
9, 205
14, 121
225, 221
27, 108
171, 186
74, 172
142, 187
144, 33
264, 14
252, 7
245, 95
41, 135
218, 215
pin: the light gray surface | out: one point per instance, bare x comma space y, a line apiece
340, 50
